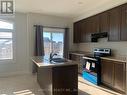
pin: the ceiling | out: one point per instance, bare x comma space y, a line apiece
64, 8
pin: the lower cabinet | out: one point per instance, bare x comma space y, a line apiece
78, 59
107, 72
119, 76
114, 74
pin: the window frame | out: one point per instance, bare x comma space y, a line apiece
13, 60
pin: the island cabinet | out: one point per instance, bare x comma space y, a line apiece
58, 80
65, 80
113, 74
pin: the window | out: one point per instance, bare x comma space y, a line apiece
6, 43
53, 41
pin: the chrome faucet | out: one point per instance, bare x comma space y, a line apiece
52, 55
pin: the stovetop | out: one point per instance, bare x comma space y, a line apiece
100, 52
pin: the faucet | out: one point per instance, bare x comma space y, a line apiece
52, 55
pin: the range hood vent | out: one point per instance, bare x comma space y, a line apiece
96, 36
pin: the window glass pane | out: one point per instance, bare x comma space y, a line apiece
47, 42
6, 50
6, 25
58, 43
5, 34
53, 41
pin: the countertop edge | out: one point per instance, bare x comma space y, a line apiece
41, 64
113, 59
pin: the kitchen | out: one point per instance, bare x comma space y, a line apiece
96, 42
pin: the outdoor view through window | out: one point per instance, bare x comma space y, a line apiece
6, 50
53, 42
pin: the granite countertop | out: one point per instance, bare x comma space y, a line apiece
44, 62
119, 58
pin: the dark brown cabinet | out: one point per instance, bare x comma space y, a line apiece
124, 23
114, 24
78, 59
77, 31
114, 74
84, 28
83, 31
113, 21
104, 22
95, 24
107, 72
119, 76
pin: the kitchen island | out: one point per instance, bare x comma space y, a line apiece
57, 78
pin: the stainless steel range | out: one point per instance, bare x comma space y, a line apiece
92, 65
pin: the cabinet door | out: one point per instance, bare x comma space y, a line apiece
119, 76
63, 78
95, 24
88, 29
114, 24
83, 31
77, 30
104, 22
124, 23
107, 72
78, 60
92, 26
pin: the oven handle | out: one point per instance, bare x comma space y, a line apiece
88, 58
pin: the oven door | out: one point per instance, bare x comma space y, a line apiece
90, 65
91, 70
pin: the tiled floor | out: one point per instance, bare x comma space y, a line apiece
27, 85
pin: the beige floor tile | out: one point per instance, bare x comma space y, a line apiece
27, 85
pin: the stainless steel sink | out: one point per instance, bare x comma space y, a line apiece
59, 60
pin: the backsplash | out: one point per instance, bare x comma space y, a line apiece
118, 48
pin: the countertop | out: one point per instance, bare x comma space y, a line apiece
41, 61
118, 58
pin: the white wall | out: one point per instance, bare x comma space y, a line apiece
24, 39
20, 64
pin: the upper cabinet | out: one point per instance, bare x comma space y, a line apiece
104, 22
124, 23
76, 35
113, 21
84, 28
114, 24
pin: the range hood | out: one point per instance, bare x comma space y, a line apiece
96, 36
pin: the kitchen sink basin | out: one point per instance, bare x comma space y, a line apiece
59, 60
